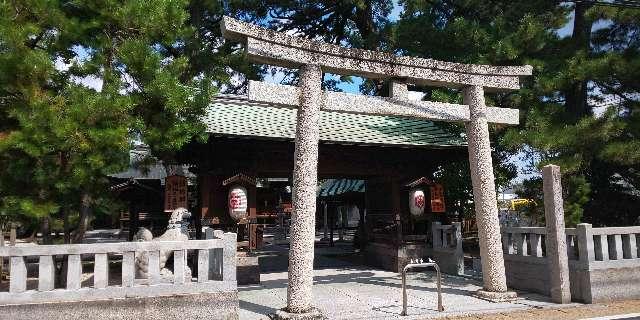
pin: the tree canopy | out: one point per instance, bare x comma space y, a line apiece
81, 80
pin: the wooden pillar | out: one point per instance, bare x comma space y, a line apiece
133, 218
253, 227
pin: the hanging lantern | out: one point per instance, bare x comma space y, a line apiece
416, 202
237, 202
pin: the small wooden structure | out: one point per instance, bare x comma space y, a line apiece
144, 199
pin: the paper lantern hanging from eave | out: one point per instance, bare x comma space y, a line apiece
237, 202
416, 202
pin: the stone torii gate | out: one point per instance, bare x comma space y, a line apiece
313, 58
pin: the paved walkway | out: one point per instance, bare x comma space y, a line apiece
359, 293
345, 289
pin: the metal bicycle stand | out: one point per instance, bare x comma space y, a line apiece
419, 264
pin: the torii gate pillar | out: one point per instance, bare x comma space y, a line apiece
305, 181
484, 196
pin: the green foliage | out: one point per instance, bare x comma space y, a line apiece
596, 149
571, 74
61, 137
576, 195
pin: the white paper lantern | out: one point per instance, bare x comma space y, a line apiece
237, 202
417, 202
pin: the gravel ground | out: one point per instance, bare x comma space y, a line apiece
564, 313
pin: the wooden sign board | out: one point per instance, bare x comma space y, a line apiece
175, 193
437, 198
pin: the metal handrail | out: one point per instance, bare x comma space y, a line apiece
419, 264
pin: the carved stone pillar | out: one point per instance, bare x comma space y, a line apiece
484, 195
305, 178
556, 241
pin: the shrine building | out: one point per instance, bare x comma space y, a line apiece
251, 147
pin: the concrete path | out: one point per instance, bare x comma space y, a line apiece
361, 293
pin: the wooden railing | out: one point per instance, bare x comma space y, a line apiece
101, 287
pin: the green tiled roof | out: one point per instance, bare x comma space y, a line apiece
236, 116
334, 187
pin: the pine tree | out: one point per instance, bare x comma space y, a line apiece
597, 149
60, 137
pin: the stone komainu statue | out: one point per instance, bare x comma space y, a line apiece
176, 231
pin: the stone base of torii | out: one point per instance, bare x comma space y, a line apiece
314, 58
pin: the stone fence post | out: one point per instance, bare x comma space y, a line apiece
585, 245
229, 256
556, 240
459, 254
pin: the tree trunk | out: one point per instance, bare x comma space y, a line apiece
576, 96
65, 224
85, 217
45, 228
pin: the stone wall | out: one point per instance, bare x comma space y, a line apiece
603, 262
217, 306
101, 292
525, 262
392, 257
527, 274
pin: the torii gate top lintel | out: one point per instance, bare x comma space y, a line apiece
276, 48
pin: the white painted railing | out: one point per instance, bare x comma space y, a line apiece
128, 286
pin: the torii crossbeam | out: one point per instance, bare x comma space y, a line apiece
313, 58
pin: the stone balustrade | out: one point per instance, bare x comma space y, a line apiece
604, 263
605, 247
105, 257
447, 247
523, 242
525, 259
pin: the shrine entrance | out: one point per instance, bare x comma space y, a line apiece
314, 58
